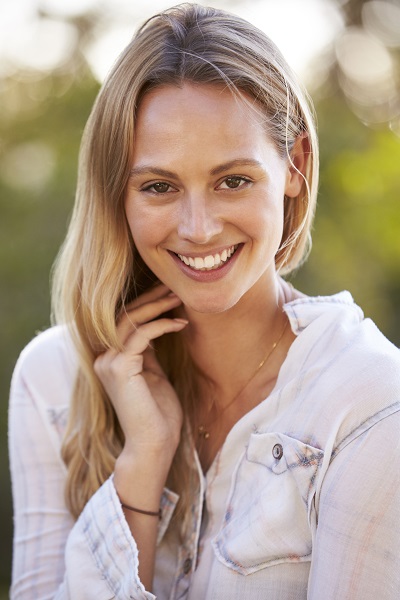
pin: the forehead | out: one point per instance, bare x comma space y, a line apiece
201, 95
206, 116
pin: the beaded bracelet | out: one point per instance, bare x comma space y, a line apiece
143, 512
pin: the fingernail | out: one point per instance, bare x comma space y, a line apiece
171, 295
184, 321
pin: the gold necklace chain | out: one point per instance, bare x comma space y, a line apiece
203, 430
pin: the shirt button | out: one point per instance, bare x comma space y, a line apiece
187, 566
277, 451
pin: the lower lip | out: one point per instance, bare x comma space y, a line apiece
207, 276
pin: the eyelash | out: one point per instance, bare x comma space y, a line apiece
150, 188
244, 182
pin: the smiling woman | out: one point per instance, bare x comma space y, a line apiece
194, 427
226, 207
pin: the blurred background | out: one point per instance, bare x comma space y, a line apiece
54, 55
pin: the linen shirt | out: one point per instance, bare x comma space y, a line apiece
301, 502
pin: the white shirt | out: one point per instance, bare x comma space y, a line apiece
302, 502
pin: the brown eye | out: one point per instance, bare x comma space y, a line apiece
233, 182
160, 187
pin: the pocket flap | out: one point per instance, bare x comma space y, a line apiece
267, 518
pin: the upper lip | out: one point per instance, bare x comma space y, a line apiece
210, 252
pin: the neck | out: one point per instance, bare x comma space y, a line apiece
239, 337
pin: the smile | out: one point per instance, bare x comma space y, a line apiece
211, 262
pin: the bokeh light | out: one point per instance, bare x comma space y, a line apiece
28, 166
382, 19
41, 43
368, 76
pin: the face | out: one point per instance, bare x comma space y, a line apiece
204, 200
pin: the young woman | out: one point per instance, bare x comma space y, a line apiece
194, 427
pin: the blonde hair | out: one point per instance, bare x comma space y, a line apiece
99, 270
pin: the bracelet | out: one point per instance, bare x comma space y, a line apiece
143, 512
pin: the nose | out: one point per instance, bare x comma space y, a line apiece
198, 221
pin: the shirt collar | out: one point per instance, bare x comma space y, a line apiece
303, 311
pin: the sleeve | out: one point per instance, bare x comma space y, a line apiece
41, 520
101, 549
53, 558
356, 553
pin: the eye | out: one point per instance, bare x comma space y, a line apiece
233, 182
159, 187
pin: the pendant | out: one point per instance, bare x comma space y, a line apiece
203, 433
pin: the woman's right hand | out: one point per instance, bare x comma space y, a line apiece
145, 402
149, 413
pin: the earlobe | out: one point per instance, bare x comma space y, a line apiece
297, 166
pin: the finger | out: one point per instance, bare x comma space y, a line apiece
102, 361
136, 317
139, 341
150, 362
153, 293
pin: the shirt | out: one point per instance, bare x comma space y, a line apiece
301, 502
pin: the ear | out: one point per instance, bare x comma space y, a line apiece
297, 166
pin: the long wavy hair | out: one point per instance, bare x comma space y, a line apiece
99, 270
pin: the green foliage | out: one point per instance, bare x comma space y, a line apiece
32, 226
357, 227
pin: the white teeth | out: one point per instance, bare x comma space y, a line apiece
198, 263
209, 262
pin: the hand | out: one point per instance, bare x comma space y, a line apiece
146, 404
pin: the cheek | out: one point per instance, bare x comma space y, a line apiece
143, 228
264, 220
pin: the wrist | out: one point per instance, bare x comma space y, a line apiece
147, 457
140, 480
141, 511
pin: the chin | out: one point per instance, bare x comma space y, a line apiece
210, 305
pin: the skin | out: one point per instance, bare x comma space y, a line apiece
205, 176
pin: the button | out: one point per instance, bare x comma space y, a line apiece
277, 451
187, 566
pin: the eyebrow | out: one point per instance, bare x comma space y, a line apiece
149, 169
238, 162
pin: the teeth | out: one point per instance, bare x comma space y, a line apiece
198, 263
209, 262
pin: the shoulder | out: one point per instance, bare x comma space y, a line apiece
47, 366
344, 366
333, 330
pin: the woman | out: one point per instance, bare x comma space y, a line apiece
194, 427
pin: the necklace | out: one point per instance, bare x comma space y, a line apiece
204, 430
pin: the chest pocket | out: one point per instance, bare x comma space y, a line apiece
267, 517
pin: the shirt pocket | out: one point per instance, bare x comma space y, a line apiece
267, 518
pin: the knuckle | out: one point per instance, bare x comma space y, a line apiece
116, 365
126, 319
98, 364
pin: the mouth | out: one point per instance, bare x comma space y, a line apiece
210, 262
